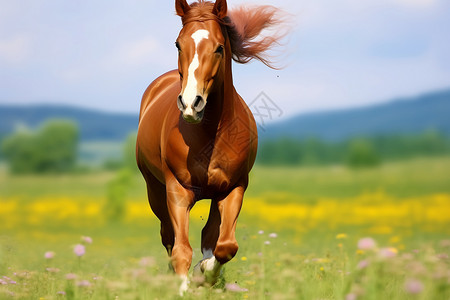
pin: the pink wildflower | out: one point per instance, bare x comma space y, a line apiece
79, 250
52, 270
366, 244
388, 252
351, 296
442, 256
234, 287
363, 264
273, 235
86, 239
49, 254
84, 283
71, 276
413, 286
147, 262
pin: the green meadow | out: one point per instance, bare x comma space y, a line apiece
326, 232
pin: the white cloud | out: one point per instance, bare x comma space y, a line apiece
15, 50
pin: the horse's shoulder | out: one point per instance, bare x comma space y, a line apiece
159, 85
166, 78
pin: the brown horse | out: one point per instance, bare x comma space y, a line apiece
197, 138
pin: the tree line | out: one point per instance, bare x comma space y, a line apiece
50, 148
53, 148
355, 152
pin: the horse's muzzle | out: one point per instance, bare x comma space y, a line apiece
192, 111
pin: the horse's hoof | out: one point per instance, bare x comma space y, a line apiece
206, 272
197, 269
198, 276
184, 285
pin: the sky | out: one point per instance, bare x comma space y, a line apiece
339, 53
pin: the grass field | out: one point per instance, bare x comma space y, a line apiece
304, 233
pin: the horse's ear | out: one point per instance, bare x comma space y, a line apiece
220, 8
181, 7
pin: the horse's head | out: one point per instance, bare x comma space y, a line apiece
201, 55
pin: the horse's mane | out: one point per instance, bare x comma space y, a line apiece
243, 26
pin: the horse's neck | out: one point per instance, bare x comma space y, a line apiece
221, 108
228, 111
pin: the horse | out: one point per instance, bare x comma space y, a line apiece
197, 139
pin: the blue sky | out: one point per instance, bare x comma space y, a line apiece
341, 53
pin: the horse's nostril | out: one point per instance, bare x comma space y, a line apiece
180, 103
199, 103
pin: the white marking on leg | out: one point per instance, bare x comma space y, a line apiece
184, 284
211, 269
190, 91
211, 264
207, 253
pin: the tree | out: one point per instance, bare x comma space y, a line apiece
284, 151
129, 152
116, 192
50, 149
361, 153
119, 186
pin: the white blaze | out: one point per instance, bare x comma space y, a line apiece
190, 91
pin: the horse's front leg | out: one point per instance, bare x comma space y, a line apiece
226, 246
179, 204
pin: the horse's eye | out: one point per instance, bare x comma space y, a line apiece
178, 46
219, 50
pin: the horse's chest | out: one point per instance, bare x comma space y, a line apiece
213, 165
221, 175
209, 169
216, 172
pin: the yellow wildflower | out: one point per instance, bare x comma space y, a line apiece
341, 236
394, 239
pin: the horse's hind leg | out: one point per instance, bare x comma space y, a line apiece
157, 198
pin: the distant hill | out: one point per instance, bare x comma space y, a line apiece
93, 125
403, 116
